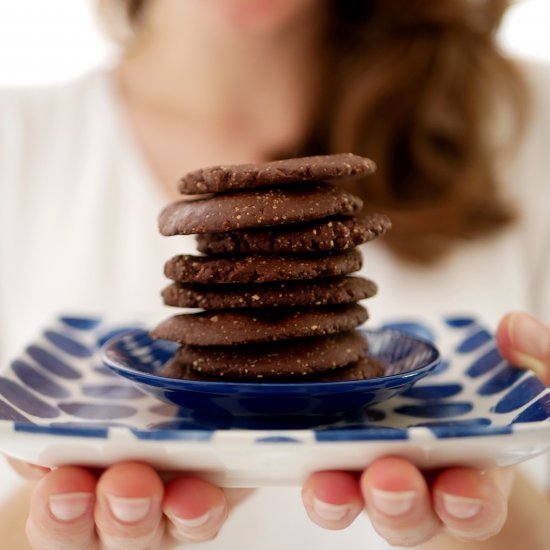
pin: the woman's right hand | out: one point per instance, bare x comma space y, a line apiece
126, 507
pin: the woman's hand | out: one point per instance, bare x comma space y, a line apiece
525, 341
128, 506
408, 507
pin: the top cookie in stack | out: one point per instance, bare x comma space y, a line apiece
279, 242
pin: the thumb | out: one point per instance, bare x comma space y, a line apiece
525, 342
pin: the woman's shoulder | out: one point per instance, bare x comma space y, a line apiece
39, 110
533, 156
45, 129
537, 74
79, 86
537, 77
530, 177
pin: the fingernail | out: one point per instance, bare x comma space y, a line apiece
198, 528
70, 506
191, 523
330, 512
461, 507
529, 337
393, 503
129, 510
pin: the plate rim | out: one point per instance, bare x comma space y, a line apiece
435, 358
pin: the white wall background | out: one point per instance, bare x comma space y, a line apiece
44, 41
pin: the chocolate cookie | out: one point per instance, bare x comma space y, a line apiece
367, 367
323, 235
275, 359
245, 176
245, 209
338, 290
244, 326
260, 268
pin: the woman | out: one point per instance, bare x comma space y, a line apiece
420, 88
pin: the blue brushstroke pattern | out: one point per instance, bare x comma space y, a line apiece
81, 323
23, 399
433, 392
97, 411
536, 412
112, 391
435, 410
521, 395
474, 341
485, 363
501, 381
37, 381
52, 363
67, 344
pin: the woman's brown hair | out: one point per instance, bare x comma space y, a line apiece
417, 86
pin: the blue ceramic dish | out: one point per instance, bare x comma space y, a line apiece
137, 357
59, 404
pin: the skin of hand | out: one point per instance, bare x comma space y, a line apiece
129, 506
124, 506
409, 507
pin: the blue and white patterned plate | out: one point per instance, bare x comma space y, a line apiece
240, 404
60, 405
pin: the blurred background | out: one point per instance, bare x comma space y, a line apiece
45, 41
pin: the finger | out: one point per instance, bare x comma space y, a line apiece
61, 511
195, 509
472, 504
332, 499
26, 469
525, 341
398, 502
128, 511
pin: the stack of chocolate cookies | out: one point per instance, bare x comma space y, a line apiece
278, 242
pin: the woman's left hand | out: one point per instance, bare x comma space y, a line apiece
407, 506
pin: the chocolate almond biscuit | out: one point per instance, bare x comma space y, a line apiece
260, 268
296, 357
246, 209
367, 367
182, 371
244, 326
330, 290
323, 235
244, 176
